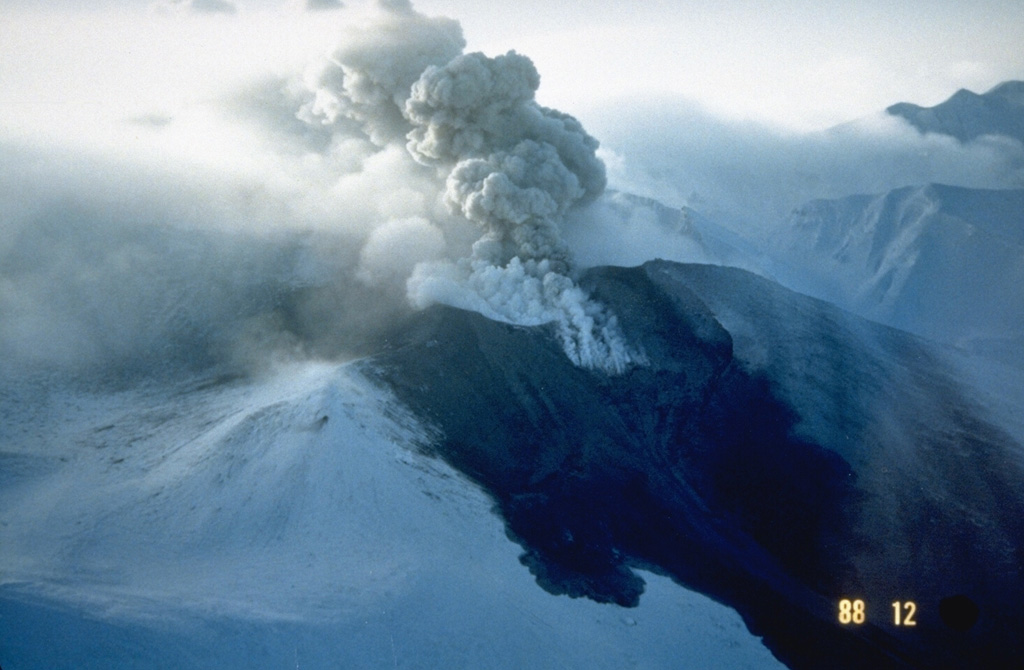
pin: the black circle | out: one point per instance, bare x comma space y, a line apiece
959, 612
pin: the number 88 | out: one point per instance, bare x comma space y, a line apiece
851, 611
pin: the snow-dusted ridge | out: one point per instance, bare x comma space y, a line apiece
941, 261
967, 115
286, 521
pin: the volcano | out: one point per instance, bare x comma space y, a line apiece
826, 457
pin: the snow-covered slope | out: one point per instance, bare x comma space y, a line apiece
774, 451
941, 261
285, 522
967, 115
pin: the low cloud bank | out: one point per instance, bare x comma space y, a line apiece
753, 177
394, 173
126, 270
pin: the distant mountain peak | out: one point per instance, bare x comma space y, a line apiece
967, 115
1012, 91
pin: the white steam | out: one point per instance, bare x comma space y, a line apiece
222, 221
393, 250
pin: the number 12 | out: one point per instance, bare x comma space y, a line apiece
904, 613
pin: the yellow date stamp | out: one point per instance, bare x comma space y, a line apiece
854, 612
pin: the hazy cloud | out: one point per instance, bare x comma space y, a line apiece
199, 6
321, 5
755, 176
131, 268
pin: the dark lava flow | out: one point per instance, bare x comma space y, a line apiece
688, 466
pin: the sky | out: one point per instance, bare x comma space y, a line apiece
800, 65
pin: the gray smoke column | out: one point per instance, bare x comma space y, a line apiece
364, 83
508, 165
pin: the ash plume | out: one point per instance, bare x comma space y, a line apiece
510, 166
362, 86
305, 215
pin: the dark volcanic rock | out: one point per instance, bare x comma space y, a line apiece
690, 466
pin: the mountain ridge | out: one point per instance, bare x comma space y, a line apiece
967, 115
696, 465
941, 261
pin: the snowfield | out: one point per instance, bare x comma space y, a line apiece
287, 521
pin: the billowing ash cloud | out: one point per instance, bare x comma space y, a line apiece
515, 167
363, 85
510, 166
304, 216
